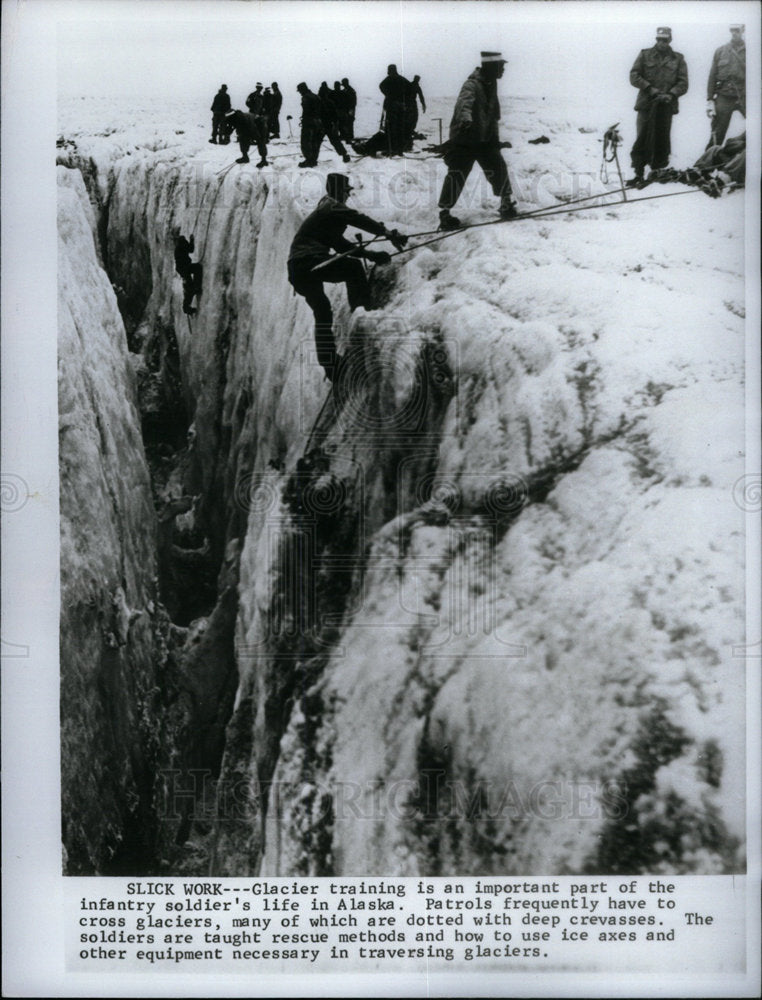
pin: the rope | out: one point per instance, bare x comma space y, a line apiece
327, 400
222, 175
542, 214
347, 253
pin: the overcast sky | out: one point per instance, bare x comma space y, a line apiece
164, 49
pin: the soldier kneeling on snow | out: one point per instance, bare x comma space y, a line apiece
251, 130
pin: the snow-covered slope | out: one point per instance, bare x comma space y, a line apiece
489, 626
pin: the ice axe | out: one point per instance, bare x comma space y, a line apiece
290, 133
440, 128
611, 143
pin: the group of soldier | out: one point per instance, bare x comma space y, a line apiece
256, 126
659, 73
661, 76
328, 114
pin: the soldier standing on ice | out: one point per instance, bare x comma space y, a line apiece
330, 118
415, 94
321, 232
220, 107
661, 76
351, 105
255, 101
312, 125
275, 106
726, 87
395, 89
474, 138
340, 98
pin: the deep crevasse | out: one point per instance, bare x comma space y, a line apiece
490, 629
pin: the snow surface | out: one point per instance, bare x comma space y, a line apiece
599, 353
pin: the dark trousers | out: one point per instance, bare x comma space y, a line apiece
724, 108
218, 130
344, 125
395, 128
313, 134
332, 134
411, 121
309, 284
245, 142
460, 160
191, 276
652, 145
311, 138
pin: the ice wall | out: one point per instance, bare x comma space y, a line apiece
488, 625
109, 723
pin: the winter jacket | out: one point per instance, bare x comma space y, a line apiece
221, 103
657, 72
351, 98
476, 117
394, 89
323, 229
248, 126
277, 102
727, 77
255, 102
312, 108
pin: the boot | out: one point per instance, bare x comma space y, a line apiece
213, 142
262, 163
447, 221
509, 210
635, 181
346, 157
242, 159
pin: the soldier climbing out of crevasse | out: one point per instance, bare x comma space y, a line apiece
321, 232
190, 273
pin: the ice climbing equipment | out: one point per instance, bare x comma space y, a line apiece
539, 213
612, 140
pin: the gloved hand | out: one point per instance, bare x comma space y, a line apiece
397, 240
664, 99
378, 256
711, 111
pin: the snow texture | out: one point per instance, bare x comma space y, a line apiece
489, 628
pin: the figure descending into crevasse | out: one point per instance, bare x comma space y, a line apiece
190, 272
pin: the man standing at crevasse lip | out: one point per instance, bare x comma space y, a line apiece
474, 138
726, 86
661, 76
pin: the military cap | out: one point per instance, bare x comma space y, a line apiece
337, 180
664, 33
492, 57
